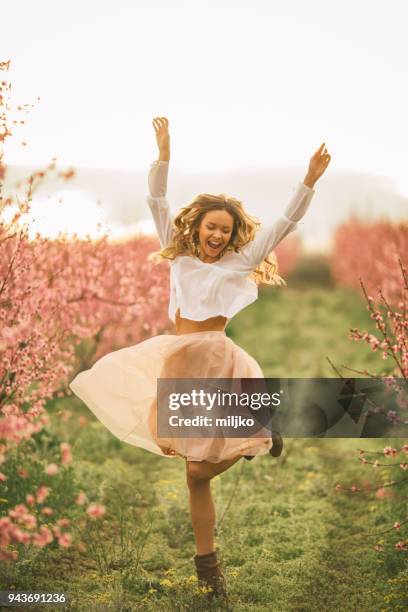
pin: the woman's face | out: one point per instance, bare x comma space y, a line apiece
215, 233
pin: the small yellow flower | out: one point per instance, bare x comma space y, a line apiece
166, 582
192, 579
204, 589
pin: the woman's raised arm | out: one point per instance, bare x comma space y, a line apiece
157, 181
270, 235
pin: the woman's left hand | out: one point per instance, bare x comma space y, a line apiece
318, 163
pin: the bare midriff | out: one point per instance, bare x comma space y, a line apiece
187, 326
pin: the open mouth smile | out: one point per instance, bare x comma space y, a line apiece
214, 245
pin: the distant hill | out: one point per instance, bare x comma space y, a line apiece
264, 192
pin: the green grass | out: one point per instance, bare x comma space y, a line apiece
289, 541
291, 332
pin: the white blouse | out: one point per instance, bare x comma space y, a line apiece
204, 290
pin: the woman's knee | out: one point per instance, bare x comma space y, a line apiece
197, 472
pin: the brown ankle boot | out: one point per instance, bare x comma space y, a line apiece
277, 446
209, 572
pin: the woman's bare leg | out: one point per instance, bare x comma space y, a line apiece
199, 474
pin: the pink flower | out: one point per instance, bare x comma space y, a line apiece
354, 488
338, 487
82, 420
47, 510
96, 510
389, 451
64, 522
3, 476
29, 521
66, 456
20, 536
404, 466
43, 538
400, 545
66, 415
8, 555
30, 499
397, 525
65, 540
405, 448
81, 499
42, 494
379, 548
19, 511
51, 469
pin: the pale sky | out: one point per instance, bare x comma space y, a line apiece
243, 82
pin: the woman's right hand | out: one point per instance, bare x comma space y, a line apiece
161, 126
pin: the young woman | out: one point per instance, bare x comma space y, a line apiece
217, 260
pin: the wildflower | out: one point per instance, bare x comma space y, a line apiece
397, 525
19, 511
42, 493
96, 510
30, 521
376, 463
47, 510
401, 545
51, 469
65, 540
404, 466
388, 450
192, 579
43, 538
66, 456
338, 487
166, 582
20, 536
81, 498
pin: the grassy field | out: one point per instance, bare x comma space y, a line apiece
288, 540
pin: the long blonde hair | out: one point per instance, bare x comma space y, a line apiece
186, 229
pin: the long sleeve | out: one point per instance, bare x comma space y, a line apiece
269, 236
157, 201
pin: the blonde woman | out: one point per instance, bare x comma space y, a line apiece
218, 257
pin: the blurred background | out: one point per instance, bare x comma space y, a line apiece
251, 90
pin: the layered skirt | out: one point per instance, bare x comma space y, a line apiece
121, 390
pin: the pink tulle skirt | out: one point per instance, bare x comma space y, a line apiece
121, 390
